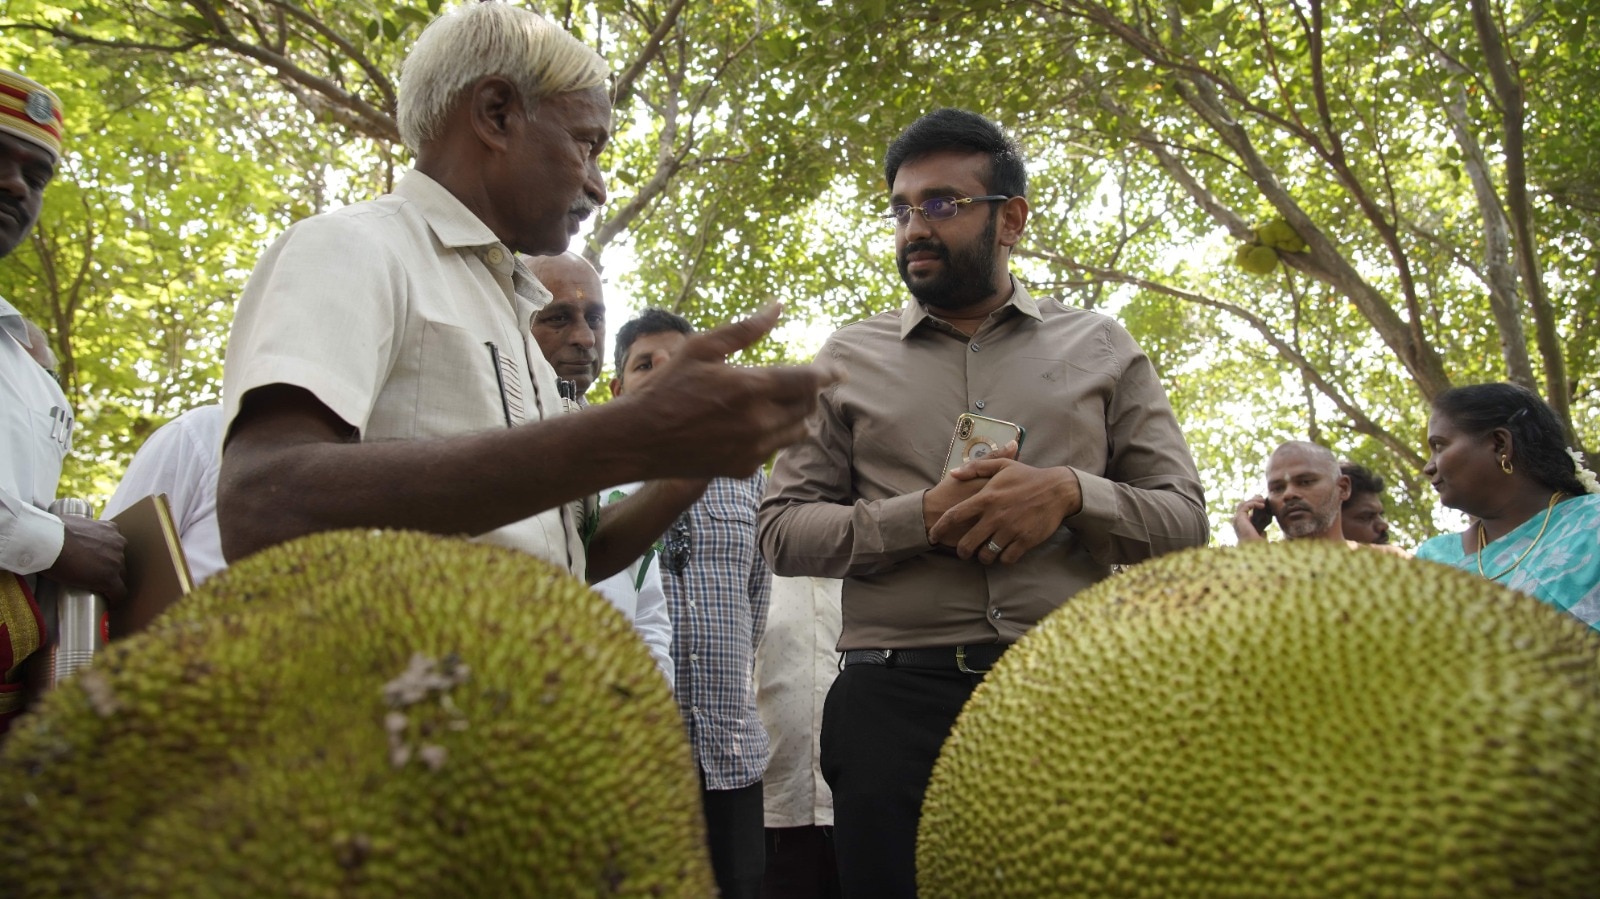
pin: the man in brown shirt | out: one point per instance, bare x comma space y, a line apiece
942, 573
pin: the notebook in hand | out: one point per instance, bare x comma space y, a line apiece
158, 574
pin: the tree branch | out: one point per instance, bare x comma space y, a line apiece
1359, 420
652, 46
1508, 89
1500, 276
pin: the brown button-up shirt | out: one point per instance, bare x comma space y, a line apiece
846, 502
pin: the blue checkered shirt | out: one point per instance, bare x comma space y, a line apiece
718, 604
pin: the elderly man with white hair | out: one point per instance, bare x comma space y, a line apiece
381, 373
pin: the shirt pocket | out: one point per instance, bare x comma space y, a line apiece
459, 382
41, 444
729, 545
732, 514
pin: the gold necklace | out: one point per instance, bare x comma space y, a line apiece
1483, 540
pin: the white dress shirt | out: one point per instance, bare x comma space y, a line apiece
409, 320
636, 592
35, 435
181, 459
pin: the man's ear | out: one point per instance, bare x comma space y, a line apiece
1013, 218
495, 109
1344, 489
616, 387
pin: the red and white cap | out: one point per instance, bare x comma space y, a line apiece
30, 111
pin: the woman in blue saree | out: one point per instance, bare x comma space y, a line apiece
1496, 452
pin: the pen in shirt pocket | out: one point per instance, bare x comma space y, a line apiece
499, 380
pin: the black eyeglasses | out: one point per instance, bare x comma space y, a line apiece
676, 545
935, 210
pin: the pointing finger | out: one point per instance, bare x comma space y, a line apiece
717, 344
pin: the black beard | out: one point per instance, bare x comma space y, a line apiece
968, 277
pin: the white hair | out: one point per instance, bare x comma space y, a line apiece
480, 39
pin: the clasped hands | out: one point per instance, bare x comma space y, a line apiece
997, 508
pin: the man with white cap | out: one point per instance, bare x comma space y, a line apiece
35, 419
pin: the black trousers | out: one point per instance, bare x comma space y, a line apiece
882, 729
736, 834
800, 864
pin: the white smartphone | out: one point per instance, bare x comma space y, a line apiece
977, 436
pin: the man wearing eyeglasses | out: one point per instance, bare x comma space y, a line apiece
718, 591
942, 573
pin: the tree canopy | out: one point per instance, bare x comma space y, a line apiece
1313, 218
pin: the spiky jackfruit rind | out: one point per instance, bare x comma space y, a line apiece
1280, 720
240, 747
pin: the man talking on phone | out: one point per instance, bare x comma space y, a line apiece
1305, 492
942, 573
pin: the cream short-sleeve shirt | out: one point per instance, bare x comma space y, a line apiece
400, 316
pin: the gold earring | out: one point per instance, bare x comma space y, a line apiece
1505, 464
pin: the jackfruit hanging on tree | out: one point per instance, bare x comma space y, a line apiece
1279, 720
361, 714
1260, 256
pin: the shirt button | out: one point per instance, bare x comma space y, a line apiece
995, 614
26, 559
495, 256
975, 347
979, 404
694, 656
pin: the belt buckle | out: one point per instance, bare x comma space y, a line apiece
961, 662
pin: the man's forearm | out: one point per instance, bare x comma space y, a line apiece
629, 526
290, 466
836, 540
284, 476
1123, 524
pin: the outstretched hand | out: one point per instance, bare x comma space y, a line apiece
720, 420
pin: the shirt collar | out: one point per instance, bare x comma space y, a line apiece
457, 227
914, 313
452, 222
11, 322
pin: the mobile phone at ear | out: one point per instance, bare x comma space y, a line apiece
977, 436
1260, 518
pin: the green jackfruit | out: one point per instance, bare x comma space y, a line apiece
1280, 235
362, 714
1279, 720
1256, 259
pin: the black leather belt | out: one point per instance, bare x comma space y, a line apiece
974, 658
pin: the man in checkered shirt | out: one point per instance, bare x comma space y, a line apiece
718, 587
